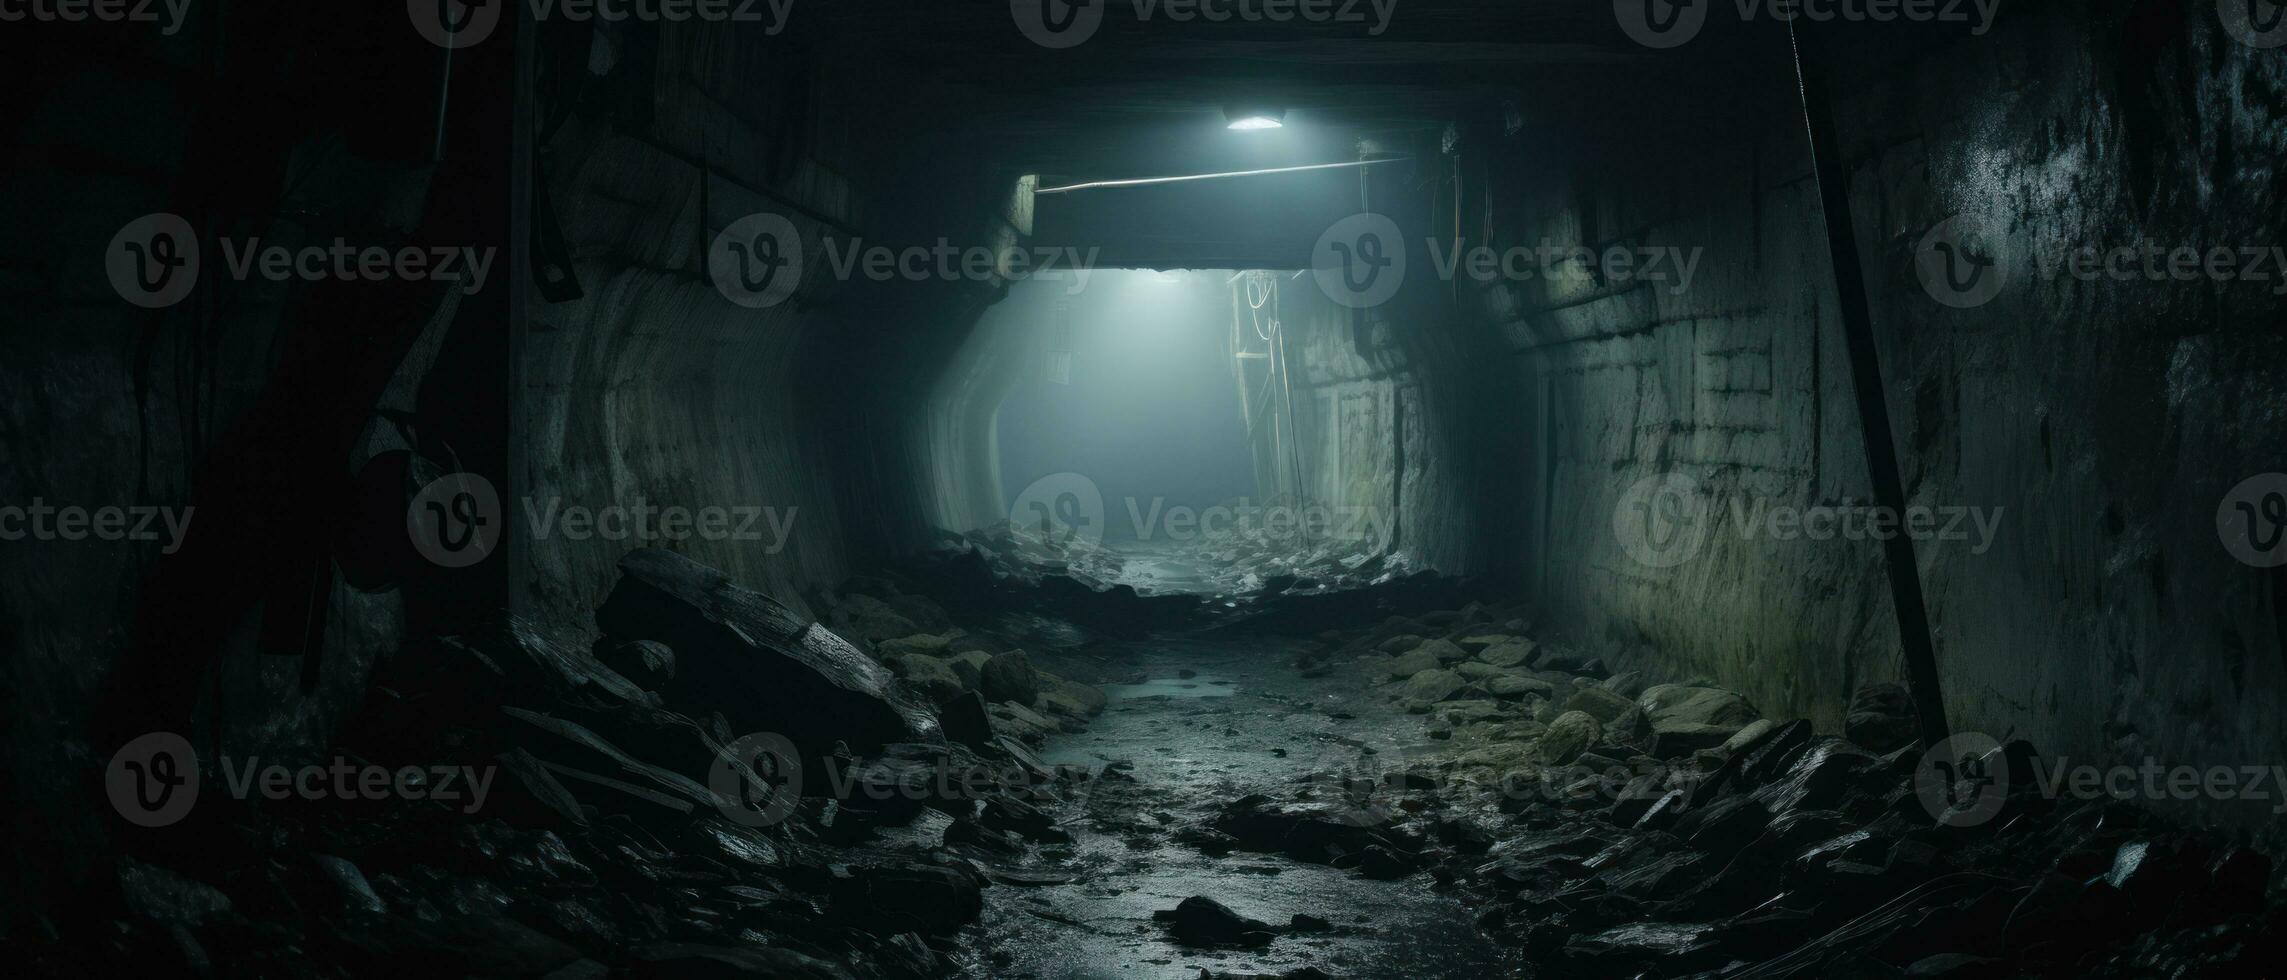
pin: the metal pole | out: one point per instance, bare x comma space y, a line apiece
1873, 410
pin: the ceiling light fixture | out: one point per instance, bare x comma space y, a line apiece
1253, 117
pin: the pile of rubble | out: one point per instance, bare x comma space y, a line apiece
1616, 827
719, 785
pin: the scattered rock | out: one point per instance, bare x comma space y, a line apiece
1205, 922
1009, 677
1569, 734
646, 662
757, 661
1432, 686
1881, 718
919, 643
1413, 662
1511, 654
1604, 705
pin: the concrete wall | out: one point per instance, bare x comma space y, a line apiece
2104, 421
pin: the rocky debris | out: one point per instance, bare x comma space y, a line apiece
648, 663
1069, 698
674, 961
1432, 686
1510, 653
1009, 677
1598, 703
932, 677
906, 897
965, 721
619, 834
766, 667
1518, 685
924, 644
1881, 718
1570, 734
1413, 662
1205, 922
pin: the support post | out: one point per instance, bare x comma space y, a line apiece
1873, 409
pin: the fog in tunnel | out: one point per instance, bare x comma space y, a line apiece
1135, 390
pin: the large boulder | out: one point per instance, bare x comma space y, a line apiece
923, 643
1881, 718
1684, 704
1068, 697
1432, 686
1446, 651
1009, 677
1409, 664
872, 619
766, 667
931, 676
1597, 701
1568, 735
1510, 654
1687, 719
646, 662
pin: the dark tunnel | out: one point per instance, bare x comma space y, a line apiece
1144, 488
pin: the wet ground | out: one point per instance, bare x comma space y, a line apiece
1212, 721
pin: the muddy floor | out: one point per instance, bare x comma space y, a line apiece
1210, 722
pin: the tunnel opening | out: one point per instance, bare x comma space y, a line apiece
1091, 489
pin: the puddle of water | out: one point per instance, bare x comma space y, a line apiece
1172, 687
